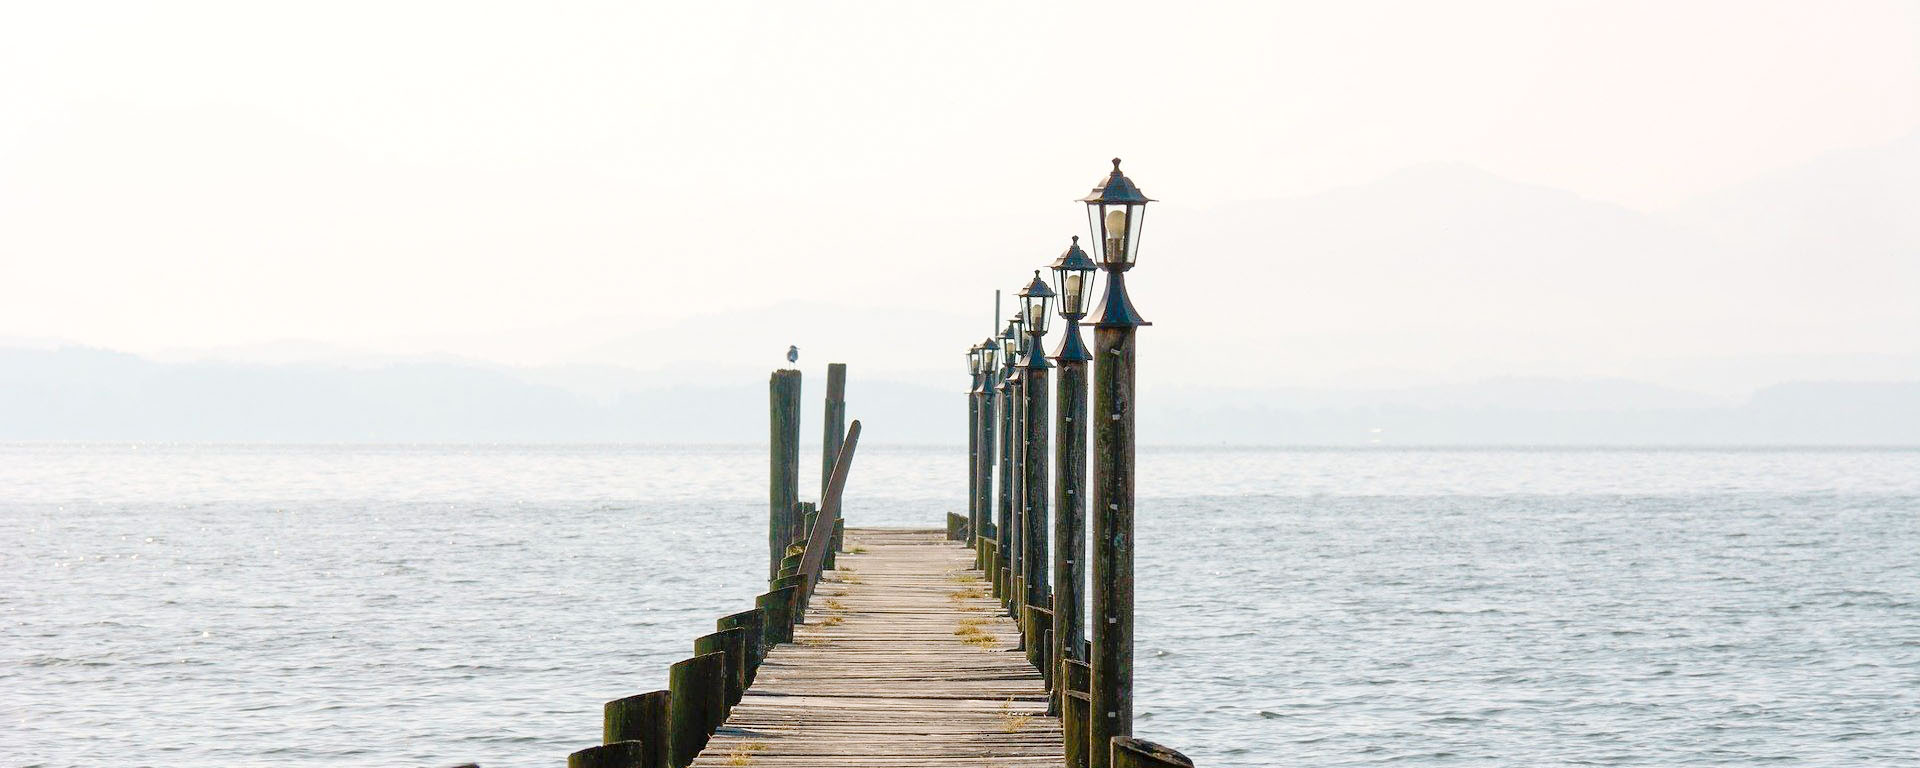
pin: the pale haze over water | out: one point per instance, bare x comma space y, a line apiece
427, 605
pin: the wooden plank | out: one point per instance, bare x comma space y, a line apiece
906, 662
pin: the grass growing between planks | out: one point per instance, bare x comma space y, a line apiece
743, 754
1011, 721
832, 621
835, 605
972, 632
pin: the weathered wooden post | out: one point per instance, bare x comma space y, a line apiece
1017, 401
1129, 752
1038, 304
1003, 524
754, 622
1115, 210
983, 395
1073, 272
1074, 675
697, 688
732, 643
641, 718
777, 609
783, 484
618, 754
973, 450
836, 422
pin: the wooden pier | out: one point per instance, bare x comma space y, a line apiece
883, 648
905, 659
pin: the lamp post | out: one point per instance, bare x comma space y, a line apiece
973, 446
983, 470
1073, 272
1017, 479
1003, 524
1036, 302
1116, 209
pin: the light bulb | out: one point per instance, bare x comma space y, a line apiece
1116, 223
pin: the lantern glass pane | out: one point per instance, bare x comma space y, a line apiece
1136, 221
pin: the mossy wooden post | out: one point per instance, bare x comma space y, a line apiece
1069, 501
837, 544
1033, 479
1113, 542
973, 460
1073, 712
698, 687
983, 471
754, 622
1003, 520
642, 718
783, 484
836, 422
797, 605
1039, 629
776, 611
619, 754
1129, 752
1017, 396
733, 643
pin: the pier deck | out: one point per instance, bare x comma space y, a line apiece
904, 660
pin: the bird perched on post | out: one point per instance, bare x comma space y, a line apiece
793, 354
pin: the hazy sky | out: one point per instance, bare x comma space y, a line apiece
522, 182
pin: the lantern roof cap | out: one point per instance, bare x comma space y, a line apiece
1036, 289
1075, 259
1117, 188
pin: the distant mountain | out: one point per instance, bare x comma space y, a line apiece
1449, 272
86, 394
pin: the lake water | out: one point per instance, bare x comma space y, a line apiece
240, 605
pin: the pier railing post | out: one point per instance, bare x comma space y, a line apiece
732, 643
617, 754
641, 718
698, 690
1139, 753
783, 484
754, 622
